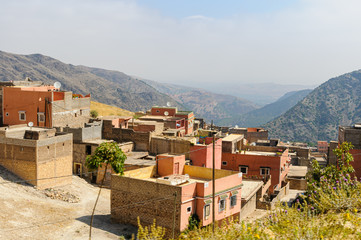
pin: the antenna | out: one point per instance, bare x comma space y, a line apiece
168, 104
57, 85
166, 113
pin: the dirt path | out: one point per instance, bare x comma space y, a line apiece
27, 213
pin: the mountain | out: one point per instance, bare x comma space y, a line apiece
211, 106
109, 87
317, 117
265, 114
259, 93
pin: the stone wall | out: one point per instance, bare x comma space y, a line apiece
297, 183
88, 132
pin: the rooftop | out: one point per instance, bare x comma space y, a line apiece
259, 153
232, 137
297, 171
250, 187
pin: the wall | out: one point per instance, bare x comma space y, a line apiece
331, 157
160, 145
202, 155
141, 139
297, 183
88, 132
159, 202
166, 164
38, 159
248, 207
31, 102
255, 162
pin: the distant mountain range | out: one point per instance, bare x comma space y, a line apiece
109, 87
317, 117
267, 113
209, 105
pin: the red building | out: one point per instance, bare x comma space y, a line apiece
202, 154
322, 147
188, 116
259, 164
44, 106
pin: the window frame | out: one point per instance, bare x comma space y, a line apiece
233, 201
207, 211
41, 114
243, 166
20, 114
268, 171
220, 208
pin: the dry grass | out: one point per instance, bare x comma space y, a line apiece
106, 110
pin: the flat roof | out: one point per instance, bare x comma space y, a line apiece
232, 137
250, 187
297, 171
96, 141
260, 153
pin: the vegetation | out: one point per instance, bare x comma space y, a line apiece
106, 110
108, 153
94, 113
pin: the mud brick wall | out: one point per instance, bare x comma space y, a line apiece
169, 145
157, 202
141, 139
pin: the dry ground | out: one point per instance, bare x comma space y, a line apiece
27, 213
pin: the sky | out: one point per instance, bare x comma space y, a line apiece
192, 42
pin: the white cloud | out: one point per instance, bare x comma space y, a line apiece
305, 44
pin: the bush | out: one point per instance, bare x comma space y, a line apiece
94, 113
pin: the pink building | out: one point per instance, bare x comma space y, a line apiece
202, 154
260, 164
171, 188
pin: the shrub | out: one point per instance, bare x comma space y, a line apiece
94, 113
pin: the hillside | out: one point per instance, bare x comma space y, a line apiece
106, 110
265, 114
211, 106
317, 117
109, 87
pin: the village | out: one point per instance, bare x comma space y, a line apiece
47, 134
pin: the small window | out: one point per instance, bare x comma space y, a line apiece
157, 111
41, 117
207, 211
189, 209
233, 200
7, 114
88, 149
224, 163
265, 171
21, 149
243, 169
222, 205
22, 116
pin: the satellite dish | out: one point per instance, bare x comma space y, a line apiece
166, 113
57, 84
168, 104
236, 126
30, 124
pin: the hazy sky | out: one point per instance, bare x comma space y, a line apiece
189, 41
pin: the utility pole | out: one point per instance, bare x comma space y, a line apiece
175, 210
213, 181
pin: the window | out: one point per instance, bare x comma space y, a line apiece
265, 171
233, 200
222, 205
224, 163
157, 111
7, 114
207, 211
243, 169
41, 117
189, 209
22, 116
88, 149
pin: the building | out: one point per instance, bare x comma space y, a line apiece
232, 143
37, 154
322, 147
44, 106
187, 116
201, 155
274, 163
251, 134
173, 189
172, 145
352, 134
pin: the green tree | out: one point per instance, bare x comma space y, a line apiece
108, 154
94, 113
